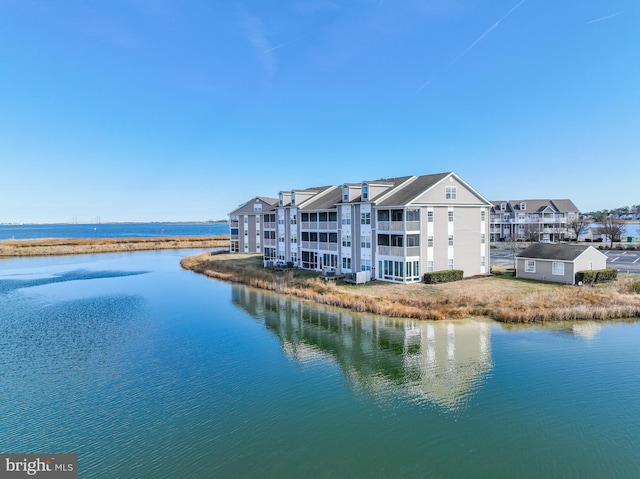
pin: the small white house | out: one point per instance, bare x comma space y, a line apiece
558, 262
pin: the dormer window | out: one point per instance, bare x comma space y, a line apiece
293, 198
523, 206
257, 207
503, 207
280, 199
345, 194
365, 192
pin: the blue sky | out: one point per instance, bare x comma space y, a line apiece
150, 110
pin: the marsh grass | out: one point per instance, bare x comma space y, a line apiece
505, 299
46, 247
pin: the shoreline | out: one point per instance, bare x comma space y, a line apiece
500, 298
71, 246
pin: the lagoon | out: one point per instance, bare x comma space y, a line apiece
149, 371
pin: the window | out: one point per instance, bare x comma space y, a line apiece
345, 194
503, 207
413, 215
293, 198
557, 268
450, 240
365, 218
450, 192
294, 219
483, 261
333, 237
430, 216
346, 263
523, 206
366, 265
346, 240
346, 217
365, 241
280, 199
483, 215
430, 266
450, 264
530, 266
257, 207
430, 241
450, 214
483, 238
365, 192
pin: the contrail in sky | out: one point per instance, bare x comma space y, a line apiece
604, 18
477, 41
288, 43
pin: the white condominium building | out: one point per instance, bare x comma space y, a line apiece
396, 229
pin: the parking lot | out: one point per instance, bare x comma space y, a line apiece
623, 261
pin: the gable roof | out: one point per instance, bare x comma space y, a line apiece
247, 206
411, 190
558, 252
537, 205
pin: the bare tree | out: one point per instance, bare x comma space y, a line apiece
531, 233
577, 226
612, 227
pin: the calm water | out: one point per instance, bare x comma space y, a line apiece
148, 371
112, 230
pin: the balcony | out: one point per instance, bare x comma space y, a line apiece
319, 225
269, 225
391, 251
392, 225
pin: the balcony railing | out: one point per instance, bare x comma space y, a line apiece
390, 225
269, 225
413, 225
319, 225
391, 251
328, 225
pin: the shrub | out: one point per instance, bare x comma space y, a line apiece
596, 276
445, 276
608, 274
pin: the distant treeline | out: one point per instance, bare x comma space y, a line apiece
622, 211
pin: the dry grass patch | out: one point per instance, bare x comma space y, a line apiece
501, 298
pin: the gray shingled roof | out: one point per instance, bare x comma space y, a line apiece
536, 205
409, 192
247, 207
561, 252
324, 202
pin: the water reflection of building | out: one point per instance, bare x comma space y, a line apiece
442, 362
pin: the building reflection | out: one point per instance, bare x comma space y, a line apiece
441, 362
